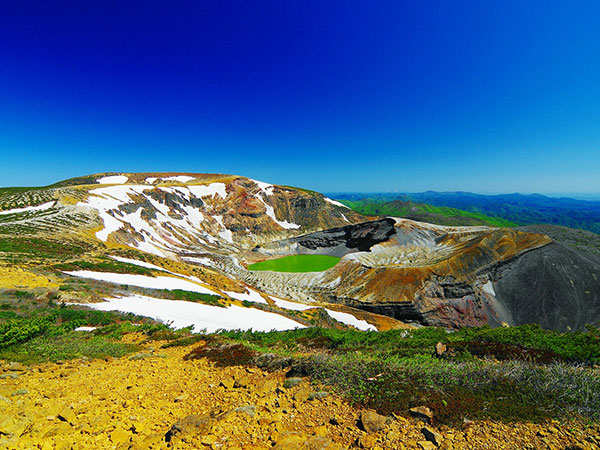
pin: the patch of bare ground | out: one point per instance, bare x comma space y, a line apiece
159, 399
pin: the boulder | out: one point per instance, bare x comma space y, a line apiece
11, 426
227, 383
440, 349
247, 409
372, 422
426, 445
422, 412
15, 367
292, 382
432, 436
119, 437
303, 394
68, 415
194, 425
318, 395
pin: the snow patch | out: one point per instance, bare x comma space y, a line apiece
489, 288
41, 207
138, 263
180, 178
285, 304
282, 223
180, 314
250, 295
266, 188
349, 319
198, 260
335, 202
144, 281
209, 190
113, 179
85, 328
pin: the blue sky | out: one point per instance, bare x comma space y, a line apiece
486, 97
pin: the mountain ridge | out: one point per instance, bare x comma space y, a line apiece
522, 209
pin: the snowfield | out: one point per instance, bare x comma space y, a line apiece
180, 314
250, 295
113, 179
209, 190
41, 207
349, 319
179, 178
163, 234
138, 263
198, 260
285, 304
144, 281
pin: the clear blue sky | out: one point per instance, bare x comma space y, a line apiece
482, 96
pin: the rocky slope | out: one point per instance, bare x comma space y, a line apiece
157, 400
448, 276
420, 272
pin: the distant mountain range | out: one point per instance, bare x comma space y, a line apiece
499, 210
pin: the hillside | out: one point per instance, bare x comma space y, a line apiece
423, 212
133, 241
147, 237
517, 208
160, 398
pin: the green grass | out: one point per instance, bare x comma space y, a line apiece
297, 263
108, 265
208, 299
578, 346
48, 334
69, 345
40, 248
395, 370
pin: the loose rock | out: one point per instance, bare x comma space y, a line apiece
372, 422
292, 382
194, 424
432, 436
422, 412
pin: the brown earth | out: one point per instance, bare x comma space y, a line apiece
158, 400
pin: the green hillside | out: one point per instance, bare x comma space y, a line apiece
440, 215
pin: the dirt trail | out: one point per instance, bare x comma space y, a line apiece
157, 400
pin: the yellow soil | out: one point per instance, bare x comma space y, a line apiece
18, 278
132, 403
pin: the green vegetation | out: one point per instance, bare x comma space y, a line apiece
208, 299
69, 345
517, 208
107, 265
578, 346
521, 373
40, 248
423, 212
48, 335
297, 263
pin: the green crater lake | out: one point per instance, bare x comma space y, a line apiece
297, 263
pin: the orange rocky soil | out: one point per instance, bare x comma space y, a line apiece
158, 400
